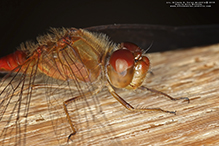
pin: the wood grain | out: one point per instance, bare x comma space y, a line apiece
192, 73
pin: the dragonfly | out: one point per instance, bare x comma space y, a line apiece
72, 66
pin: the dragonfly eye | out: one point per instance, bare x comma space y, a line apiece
121, 60
130, 46
127, 66
121, 68
137, 52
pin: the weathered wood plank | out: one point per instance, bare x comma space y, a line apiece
192, 73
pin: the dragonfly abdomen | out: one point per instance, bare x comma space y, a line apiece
11, 61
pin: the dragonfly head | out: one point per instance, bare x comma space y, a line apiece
127, 67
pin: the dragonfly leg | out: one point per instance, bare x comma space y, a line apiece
159, 92
131, 108
65, 103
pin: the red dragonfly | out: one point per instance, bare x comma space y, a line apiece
77, 63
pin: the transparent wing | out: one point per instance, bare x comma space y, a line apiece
83, 107
48, 80
15, 98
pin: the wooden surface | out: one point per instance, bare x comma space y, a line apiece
192, 73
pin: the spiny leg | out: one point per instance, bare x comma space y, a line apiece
159, 92
131, 108
65, 103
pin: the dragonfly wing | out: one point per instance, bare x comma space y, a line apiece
15, 98
67, 68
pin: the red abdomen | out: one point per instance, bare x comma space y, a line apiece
11, 61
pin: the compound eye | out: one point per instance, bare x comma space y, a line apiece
130, 46
121, 60
137, 52
121, 68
